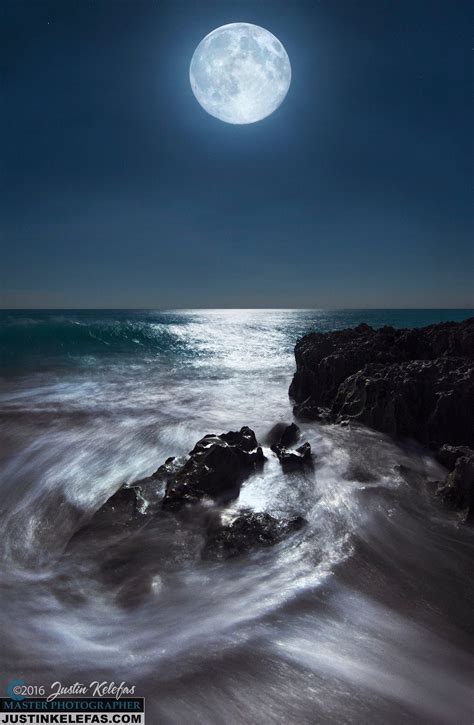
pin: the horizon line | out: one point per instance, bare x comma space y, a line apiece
218, 309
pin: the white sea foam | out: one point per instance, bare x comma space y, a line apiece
363, 615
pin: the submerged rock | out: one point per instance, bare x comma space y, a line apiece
215, 469
360, 473
246, 532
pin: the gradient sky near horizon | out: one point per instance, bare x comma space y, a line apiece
118, 190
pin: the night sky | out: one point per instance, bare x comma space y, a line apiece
119, 190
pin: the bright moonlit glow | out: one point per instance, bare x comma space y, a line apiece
240, 73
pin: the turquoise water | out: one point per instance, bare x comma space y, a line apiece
38, 338
361, 618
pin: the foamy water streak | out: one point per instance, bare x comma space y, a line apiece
364, 614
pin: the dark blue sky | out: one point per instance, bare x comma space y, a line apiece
118, 190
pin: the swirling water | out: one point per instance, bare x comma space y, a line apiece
365, 614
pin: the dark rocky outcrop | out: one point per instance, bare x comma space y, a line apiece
408, 383
415, 384
213, 474
215, 469
431, 401
457, 490
283, 439
448, 455
131, 502
246, 532
291, 458
121, 511
125, 501
290, 435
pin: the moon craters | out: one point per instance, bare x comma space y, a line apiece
240, 73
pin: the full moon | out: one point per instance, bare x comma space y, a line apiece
240, 73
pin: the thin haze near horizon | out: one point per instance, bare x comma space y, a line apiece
119, 191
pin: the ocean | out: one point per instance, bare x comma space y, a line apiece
363, 616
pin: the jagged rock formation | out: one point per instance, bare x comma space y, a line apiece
415, 384
448, 455
457, 490
216, 468
431, 401
213, 473
408, 383
246, 532
283, 439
